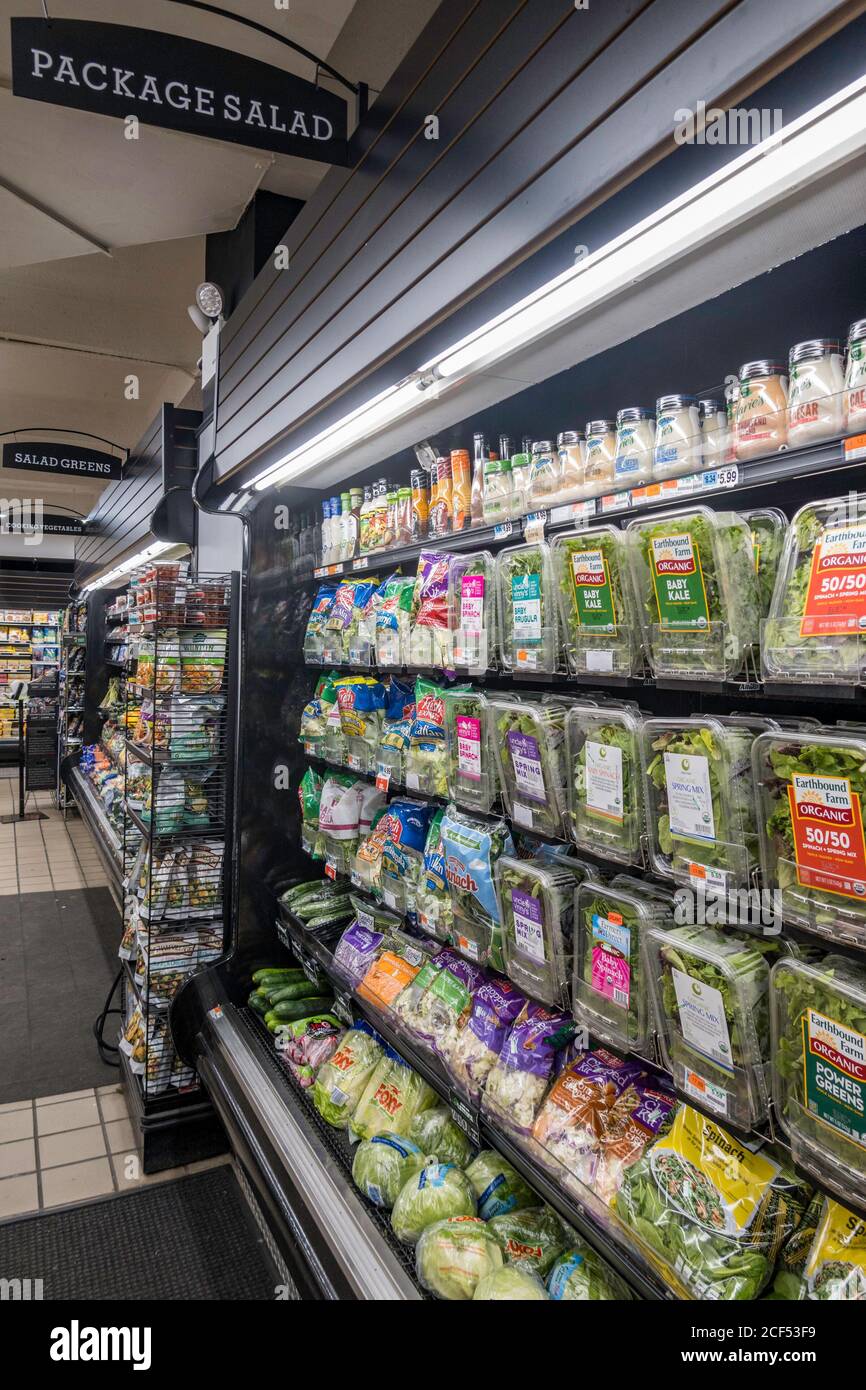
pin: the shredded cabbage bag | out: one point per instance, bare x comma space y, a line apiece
498, 1187
383, 1165
454, 1254
340, 1082
438, 1136
438, 1191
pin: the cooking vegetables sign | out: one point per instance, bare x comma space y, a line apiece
827, 821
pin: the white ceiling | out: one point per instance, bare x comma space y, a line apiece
102, 239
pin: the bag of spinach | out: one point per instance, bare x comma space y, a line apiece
472, 846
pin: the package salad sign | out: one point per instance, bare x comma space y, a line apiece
177, 83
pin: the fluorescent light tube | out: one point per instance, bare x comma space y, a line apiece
381, 410
105, 581
826, 136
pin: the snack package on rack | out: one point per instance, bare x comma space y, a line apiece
600, 624
472, 777
197, 811
697, 591
205, 877
472, 625
521, 1074
528, 610
314, 637
190, 729
165, 807
472, 847
393, 620
158, 668
529, 739
810, 789
599, 1117
341, 1080
426, 760
429, 637
825, 1258
816, 629
604, 780
818, 1026
202, 660
709, 1211
471, 1052
432, 897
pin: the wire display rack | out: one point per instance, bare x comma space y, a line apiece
173, 742
73, 638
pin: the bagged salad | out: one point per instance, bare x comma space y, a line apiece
517, 1082
825, 1259
472, 612
407, 824
341, 1081
393, 1096
314, 637
694, 576
426, 759
472, 847
600, 626
359, 637
710, 1211
433, 1010
364, 939
604, 780
432, 897
470, 1052
361, 702
393, 604
529, 738
429, 638
816, 630
527, 607
531, 1238
336, 624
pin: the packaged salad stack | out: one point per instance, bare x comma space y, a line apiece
816, 629
472, 778
314, 637
528, 610
819, 1068
472, 1051
390, 761
472, 612
429, 636
426, 757
361, 702
519, 1078
600, 626
472, 846
697, 593
406, 825
694, 811
436, 1005
536, 905
769, 528
529, 738
810, 788
393, 606
610, 996
604, 780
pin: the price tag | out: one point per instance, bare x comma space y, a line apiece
580, 513
342, 1008
325, 570
330, 867
466, 1116
310, 750
501, 530
355, 879
354, 762
855, 447
383, 778
533, 526
361, 563
728, 476
310, 967
615, 502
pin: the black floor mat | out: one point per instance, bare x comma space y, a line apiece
192, 1238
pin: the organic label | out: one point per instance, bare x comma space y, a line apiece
702, 1018
526, 602
604, 780
592, 591
469, 747
829, 848
834, 1074
611, 950
836, 597
690, 800
708, 1175
526, 764
678, 581
528, 924
472, 602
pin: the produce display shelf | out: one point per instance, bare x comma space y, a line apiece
164, 759
107, 844
312, 949
197, 832
337, 1141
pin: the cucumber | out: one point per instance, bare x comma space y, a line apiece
299, 990
281, 972
289, 1010
256, 1002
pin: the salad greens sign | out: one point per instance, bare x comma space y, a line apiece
177, 83
68, 460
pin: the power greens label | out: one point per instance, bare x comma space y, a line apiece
593, 595
834, 1075
526, 602
678, 581
604, 780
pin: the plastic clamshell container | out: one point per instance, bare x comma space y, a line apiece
816, 629
710, 991
697, 593
810, 789
741, 730
527, 608
529, 739
472, 612
818, 1026
600, 628
696, 835
536, 906
471, 762
604, 781
768, 527
609, 995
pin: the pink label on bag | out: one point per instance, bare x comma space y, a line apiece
472, 602
469, 746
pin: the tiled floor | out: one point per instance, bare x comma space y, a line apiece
71, 1148
44, 856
